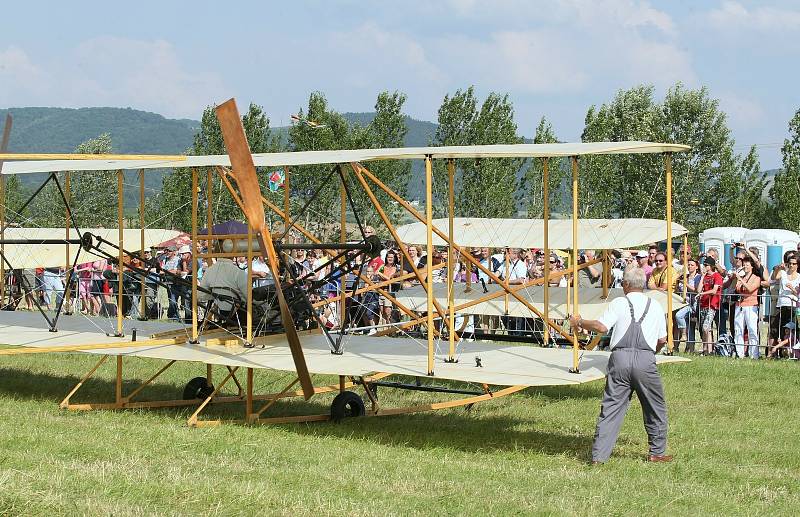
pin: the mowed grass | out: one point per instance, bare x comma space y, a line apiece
734, 432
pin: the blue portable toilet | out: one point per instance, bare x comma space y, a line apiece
772, 244
722, 238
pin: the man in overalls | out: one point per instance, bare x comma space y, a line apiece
640, 331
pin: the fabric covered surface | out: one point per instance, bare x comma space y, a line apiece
595, 234
502, 364
356, 155
590, 302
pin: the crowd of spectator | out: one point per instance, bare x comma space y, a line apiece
723, 312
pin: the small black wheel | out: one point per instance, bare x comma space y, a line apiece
197, 388
347, 404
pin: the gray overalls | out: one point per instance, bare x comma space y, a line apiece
631, 367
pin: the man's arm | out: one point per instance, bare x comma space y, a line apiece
592, 325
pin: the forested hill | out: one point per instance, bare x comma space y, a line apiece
60, 130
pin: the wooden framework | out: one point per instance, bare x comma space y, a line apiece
252, 203
245, 394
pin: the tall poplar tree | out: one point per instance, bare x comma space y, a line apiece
484, 187
172, 207
388, 129
531, 184
785, 192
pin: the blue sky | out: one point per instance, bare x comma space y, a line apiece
555, 59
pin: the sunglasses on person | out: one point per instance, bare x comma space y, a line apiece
660, 260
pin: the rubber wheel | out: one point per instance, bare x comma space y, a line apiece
197, 388
347, 404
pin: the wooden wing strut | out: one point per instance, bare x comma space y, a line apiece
244, 172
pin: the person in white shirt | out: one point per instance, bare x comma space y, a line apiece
262, 276
515, 272
639, 331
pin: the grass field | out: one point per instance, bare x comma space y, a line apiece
733, 429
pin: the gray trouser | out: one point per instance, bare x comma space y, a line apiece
631, 370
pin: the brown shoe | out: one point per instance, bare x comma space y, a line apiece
655, 458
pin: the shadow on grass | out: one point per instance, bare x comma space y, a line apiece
456, 429
27, 385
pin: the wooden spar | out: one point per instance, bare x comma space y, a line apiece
120, 256
342, 239
429, 263
244, 171
67, 272
286, 194
419, 217
606, 270
451, 260
223, 174
512, 290
249, 331
97, 346
3, 149
209, 218
685, 264
546, 217
668, 180
575, 259
195, 209
403, 249
143, 293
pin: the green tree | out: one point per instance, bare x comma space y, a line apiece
709, 177
741, 189
16, 195
621, 185
172, 207
321, 128
484, 187
93, 194
531, 183
456, 117
711, 184
785, 192
387, 130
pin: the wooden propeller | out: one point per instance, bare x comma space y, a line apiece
244, 172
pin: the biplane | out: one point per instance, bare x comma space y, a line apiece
296, 341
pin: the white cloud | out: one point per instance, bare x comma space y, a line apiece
742, 111
735, 16
569, 46
370, 51
18, 74
577, 13
537, 61
109, 71
553, 62
141, 73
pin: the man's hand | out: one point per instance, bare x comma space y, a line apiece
575, 321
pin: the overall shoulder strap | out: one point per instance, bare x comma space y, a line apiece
630, 307
646, 308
